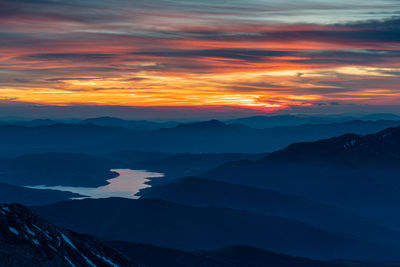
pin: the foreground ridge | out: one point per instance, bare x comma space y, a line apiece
28, 240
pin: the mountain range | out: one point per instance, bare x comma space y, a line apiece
262, 122
28, 240
136, 125
198, 137
358, 173
217, 137
28, 196
232, 256
316, 192
185, 227
56, 169
201, 192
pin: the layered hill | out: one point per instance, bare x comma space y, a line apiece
351, 171
205, 193
28, 196
53, 168
16, 140
136, 125
184, 227
232, 256
199, 137
262, 122
28, 240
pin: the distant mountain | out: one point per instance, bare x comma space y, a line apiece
206, 126
232, 256
28, 240
30, 123
138, 125
133, 157
262, 122
351, 150
27, 196
380, 116
175, 165
312, 131
217, 137
35, 123
200, 137
185, 227
57, 137
351, 171
56, 169
72, 169
204, 193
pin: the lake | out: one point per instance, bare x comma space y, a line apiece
126, 185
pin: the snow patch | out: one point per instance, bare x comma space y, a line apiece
44, 232
37, 227
88, 261
70, 262
349, 144
6, 209
66, 239
13, 230
48, 237
2, 212
35, 242
29, 231
107, 260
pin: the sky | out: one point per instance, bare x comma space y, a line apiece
189, 57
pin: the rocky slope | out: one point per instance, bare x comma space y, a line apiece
27, 240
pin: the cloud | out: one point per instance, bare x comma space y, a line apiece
239, 54
187, 52
69, 56
10, 107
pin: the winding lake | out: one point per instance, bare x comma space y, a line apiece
126, 185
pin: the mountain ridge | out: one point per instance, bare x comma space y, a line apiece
351, 171
28, 240
176, 226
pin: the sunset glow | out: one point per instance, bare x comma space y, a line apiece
269, 56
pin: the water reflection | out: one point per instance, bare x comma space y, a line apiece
126, 185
